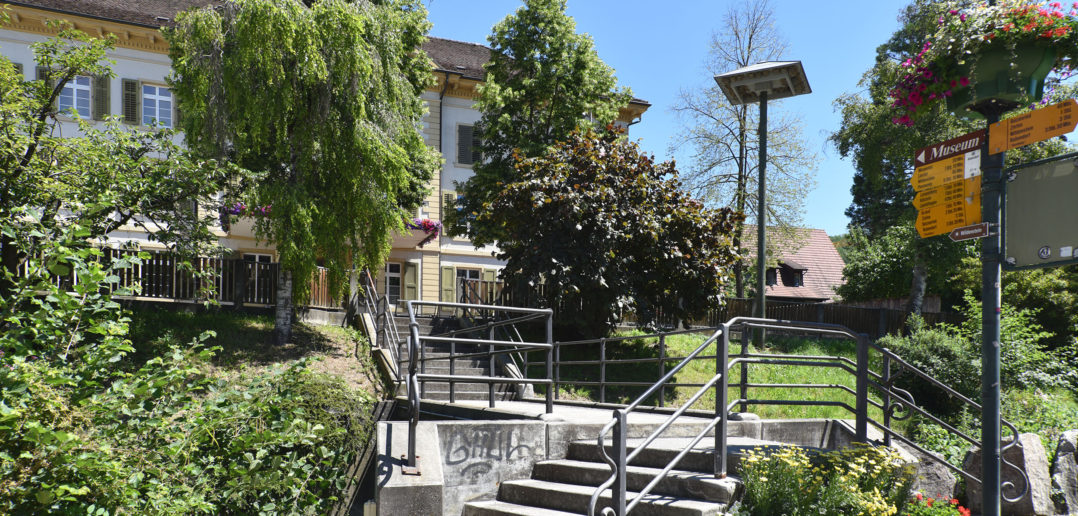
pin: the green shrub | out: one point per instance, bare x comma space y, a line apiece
856, 480
924, 506
941, 354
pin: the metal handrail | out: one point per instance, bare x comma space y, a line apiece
385, 327
894, 400
417, 361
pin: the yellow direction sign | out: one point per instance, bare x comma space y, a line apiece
1037, 125
950, 206
933, 175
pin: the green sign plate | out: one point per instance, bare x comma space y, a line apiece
1040, 226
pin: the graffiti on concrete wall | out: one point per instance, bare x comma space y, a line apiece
473, 452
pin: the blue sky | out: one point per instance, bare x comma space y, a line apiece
658, 48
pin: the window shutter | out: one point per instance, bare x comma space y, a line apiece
18, 69
410, 281
131, 101
449, 284
175, 112
449, 207
465, 135
100, 97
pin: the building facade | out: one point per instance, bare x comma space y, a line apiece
139, 93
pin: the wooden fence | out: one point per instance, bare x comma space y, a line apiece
228, 281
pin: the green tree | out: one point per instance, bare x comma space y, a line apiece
723, 137
602, 226
543, 80
329, 114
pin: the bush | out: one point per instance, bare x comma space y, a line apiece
856, 480
923, 506
943, 355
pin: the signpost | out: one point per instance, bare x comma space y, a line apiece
970, 232
947, 182
1037, 125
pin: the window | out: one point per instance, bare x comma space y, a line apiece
467, 145
258, 275
468, 282
799, 279
772, 277
75, 97
156, 105
393, 283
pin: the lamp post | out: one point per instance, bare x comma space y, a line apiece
758, 83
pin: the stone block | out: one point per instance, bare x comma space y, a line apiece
1031, 458
1065, 474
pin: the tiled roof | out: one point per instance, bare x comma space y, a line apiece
135, 12
466, 59
817, 257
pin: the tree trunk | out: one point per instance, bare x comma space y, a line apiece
739, 204
9, 260
282, 324
917, 288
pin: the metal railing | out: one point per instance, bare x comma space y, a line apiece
893, 402
384, 326
417, 359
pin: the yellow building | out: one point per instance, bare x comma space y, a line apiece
140, 94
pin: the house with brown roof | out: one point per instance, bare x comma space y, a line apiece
807, 269
139, 93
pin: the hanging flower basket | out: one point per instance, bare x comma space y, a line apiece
432, 228
1003, 52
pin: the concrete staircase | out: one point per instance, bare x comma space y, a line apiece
565, 486
437, 355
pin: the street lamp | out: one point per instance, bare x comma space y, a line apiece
759, 82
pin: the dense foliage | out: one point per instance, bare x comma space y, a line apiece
603, 228
329, 115
543, 81
856, 480
83, 428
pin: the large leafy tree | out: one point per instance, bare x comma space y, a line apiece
322, 99
723, 137
604, 228
543, 80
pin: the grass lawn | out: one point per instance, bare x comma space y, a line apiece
246, 344
701, 370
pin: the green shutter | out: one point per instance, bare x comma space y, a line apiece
449, 286
131, 101
465, 135
100, 97
410, 281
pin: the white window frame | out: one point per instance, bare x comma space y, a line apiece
156, 96
72, 90
399, 275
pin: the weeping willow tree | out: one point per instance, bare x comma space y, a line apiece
321, 100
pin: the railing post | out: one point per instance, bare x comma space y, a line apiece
662, 369
493, 370
721, 402
452, 371
862, 389
413, 421
556, 367
745, 337
414, 327
602, 370
549, 362
621, 433
886, 378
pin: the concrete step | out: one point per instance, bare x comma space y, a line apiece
663, 450
684, 484
467, 395
432, 386
575, 498
500, 508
